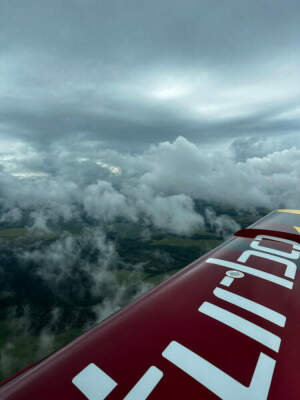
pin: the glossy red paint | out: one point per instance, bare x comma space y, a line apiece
128, 343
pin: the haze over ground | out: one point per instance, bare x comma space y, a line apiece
135, 111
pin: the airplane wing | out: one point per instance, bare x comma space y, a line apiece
226, 326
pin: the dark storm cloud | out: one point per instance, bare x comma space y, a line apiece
143, 71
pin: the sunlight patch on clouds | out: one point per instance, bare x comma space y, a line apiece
170, 92
112, 168
83, 159
28, 175
115, 170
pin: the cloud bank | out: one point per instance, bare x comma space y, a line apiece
159, 186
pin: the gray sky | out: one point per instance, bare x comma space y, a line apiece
135, 72
136, 108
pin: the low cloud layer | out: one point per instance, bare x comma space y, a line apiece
159, 186
74, 283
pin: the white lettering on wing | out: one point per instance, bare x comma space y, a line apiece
252, 306
252, 271
294, 255
95, 384
242, 325
291, 267
145, 385
217, 381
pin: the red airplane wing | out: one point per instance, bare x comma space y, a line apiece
224, 327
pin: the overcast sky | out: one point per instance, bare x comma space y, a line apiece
129, 73
137, 107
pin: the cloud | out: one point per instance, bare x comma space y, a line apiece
12, 216
174, 214
79, 285
249, 147
71, 190
136, 75
158, 186
223, 225
126, 293
182, 167
88, 254
102, 201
